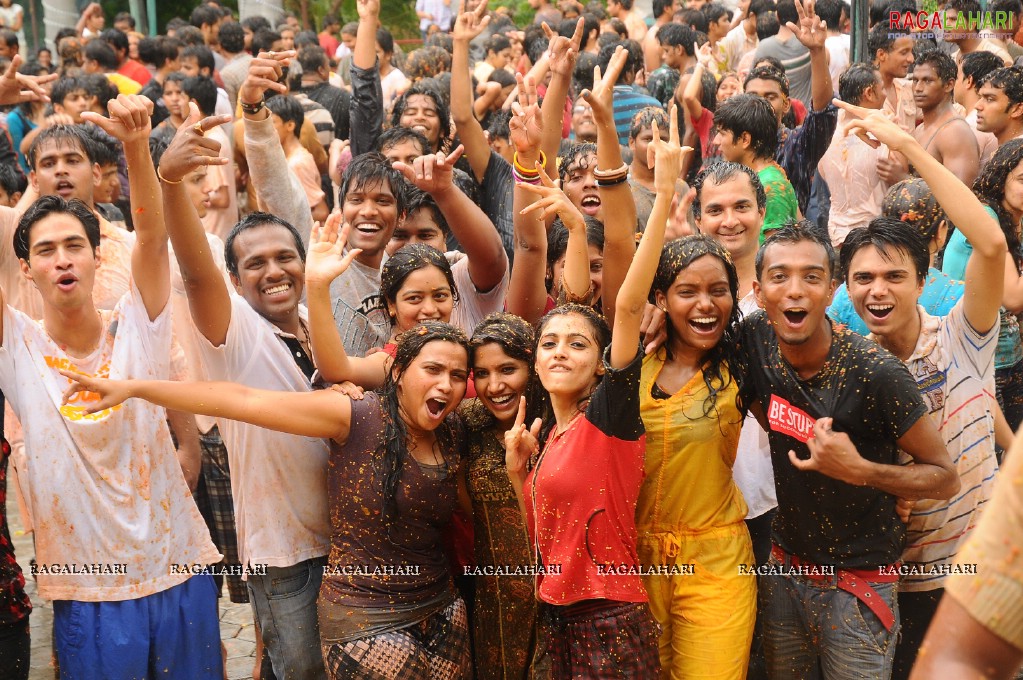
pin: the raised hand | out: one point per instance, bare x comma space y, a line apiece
111, 392
368, 9
526, 124
552, 200
265, 73
470, 25
601, 97
703, 54
327, 259
16, 87
129, 119
665, 157
811, 30
190, 149
519, 443
433, 172
869, 121
561, 51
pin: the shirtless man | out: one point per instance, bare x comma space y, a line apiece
944, 134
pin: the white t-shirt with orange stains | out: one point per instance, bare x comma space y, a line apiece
113, 516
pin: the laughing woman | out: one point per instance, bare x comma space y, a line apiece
504, 611
690, 513
387, 606
580, 496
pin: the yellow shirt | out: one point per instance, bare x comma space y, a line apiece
689, 456
124, 84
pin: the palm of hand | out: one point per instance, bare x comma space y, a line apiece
527, 130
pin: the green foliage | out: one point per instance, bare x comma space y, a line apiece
521, 13
398, 16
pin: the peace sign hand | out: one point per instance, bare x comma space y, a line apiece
519, 443
811, 30
561, 51
665, 157
601, 97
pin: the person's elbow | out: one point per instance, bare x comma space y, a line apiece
993, 245
945, 483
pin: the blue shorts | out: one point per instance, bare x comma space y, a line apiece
171, 634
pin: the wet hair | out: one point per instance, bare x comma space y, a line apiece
557, 244
767, 25
721, 171
798, 232
501, 77
913, 202
1009, 81
977, 65
60, 135
944, 66
288, 109
420, 200
385, 40
427, 62
830, 11
204, 91
632, 63
54, 205
100, 87
157, 147
882, 37
516, 338
768, 73
749, 113
177, 77
125, 17
254, 220
582, 75
190, 36
101, 53
65, 86
102, 149
534, 42
786, 11
426, 88
694, 18
394, 449
232, 37
312, 58
675, 35
661, 6
498, 125
409, 259
396, 135
886, 234
598, 326
644, 119
677, 256
442, 41
497, 42
855, 81
713, 11
11, 180
573, 155
990, 189
369, 169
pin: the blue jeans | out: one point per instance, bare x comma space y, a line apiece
284, 605
812, 627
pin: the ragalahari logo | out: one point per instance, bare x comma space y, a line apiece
951, 24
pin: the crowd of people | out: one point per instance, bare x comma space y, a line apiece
608, 345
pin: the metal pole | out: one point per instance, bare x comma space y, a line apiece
860, 20
151, 15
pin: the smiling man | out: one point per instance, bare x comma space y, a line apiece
951, 358
837, 410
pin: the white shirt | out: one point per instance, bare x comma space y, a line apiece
278, 480
107, 488
752, 471
473, 306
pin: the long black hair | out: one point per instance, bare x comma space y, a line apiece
601, 336
990, 189
720, 362
396, 443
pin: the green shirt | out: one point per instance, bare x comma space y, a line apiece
781, 199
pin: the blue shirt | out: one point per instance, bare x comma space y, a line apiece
628, 101
940, 294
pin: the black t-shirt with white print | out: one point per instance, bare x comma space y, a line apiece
871, 397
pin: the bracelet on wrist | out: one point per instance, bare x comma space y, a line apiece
254, 108
523, 179
606, 183
524, 171
611, 174
164, 179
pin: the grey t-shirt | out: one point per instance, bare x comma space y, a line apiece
359, 310
795, 57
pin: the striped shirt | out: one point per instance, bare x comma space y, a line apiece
954, 367
628, 101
